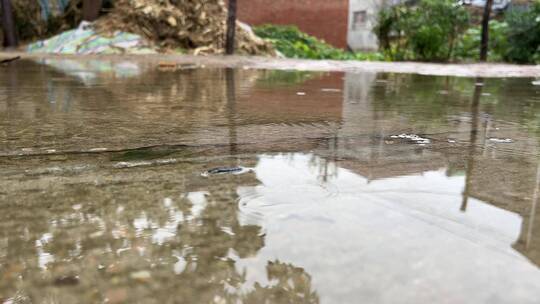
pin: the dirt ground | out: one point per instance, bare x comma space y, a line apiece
462, 70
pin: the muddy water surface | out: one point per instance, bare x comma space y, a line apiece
375, 188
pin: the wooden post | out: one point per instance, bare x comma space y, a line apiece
484, 45
91, 9
231, 28
10, 35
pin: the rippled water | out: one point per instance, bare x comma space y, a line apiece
350, 188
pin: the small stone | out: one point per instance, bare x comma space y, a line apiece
172, 22
66, 281
141, 275
147, 10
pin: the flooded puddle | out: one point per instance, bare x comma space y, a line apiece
124, 183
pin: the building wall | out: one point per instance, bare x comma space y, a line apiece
321, 18
362, 20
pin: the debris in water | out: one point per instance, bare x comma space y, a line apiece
6, 61
486, 94
141, 275
66, 281
451, 141
173, 66
479, 84
301, 93
188, 66
331, 90
536, 82
501, 140
225, 170
98, 149
167, 65
123, 165
413, 137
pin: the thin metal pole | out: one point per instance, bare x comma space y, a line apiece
10, 36
231, 28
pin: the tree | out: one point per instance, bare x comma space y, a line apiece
484, 44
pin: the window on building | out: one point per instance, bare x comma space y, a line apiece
359, 20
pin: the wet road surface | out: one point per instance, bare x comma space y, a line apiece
353, 187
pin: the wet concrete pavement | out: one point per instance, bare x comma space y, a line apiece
362, 187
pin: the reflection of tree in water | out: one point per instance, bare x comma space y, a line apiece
139, 238
292, 285
424, 100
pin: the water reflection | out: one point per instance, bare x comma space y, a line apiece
475, 107
102, 197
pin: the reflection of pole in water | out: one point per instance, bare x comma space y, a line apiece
231, 109
475, 108
533, 209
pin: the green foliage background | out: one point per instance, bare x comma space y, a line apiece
427, 31
293, 43
441, 30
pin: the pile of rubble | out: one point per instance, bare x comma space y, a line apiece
195, 26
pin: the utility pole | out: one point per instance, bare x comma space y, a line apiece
8, 24
91, 9
231, 28
484, 45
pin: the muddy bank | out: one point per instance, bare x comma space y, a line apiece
461, 70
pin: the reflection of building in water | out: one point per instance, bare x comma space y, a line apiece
496, 176
364, 136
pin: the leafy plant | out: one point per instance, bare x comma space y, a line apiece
468, 46
523, 34
426, 31
293, 43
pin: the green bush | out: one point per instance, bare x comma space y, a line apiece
523, 34
293, 43
426, 31
468, 47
